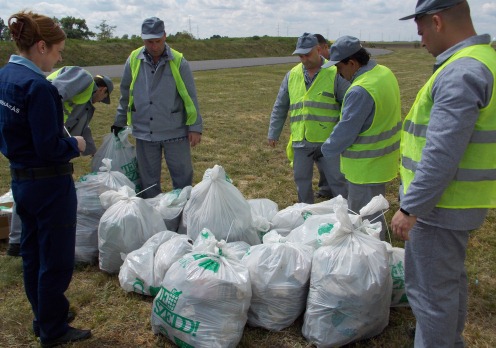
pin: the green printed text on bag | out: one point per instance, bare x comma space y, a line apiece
164, 306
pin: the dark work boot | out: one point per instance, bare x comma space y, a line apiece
72, 335
14, 249
70, 318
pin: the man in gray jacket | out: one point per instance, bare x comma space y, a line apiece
158, 98
79, 91
447, 171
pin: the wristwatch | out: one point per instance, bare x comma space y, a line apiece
406, 213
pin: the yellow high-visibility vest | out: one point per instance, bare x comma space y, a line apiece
313, 112
135, 63
374, 156
474, 184
79, 99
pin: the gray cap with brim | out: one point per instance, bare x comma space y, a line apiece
305, 44
342, 48
110, 87
425, 6
152, 28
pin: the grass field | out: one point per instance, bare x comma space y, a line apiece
236, 105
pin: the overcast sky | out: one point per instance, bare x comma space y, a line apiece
369, 20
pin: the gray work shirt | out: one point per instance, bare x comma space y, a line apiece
357, 114
460, 90
160, 114
281, 105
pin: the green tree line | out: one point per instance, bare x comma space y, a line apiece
76, 28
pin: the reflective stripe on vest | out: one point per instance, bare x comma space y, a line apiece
78, 99
374, 155
474, 183
134, 64
313, 112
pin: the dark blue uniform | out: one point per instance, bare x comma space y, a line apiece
32, 138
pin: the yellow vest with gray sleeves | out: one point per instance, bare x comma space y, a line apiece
78, 99
313, 112
374, 156
474, 184
134, 64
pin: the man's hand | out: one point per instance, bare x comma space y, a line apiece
194, 138
316, 154
115, 129
272, 142
402, 224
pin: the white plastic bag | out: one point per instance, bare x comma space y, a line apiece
397, 268
325, 207
171, 205
350, 286
279, 273
206, 239
287, 219
122, 153
89, 210
262, 211
310, 232
168, 253
218, 205
137, 271
126, 225
204, 300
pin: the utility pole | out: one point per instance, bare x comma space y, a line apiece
189, 21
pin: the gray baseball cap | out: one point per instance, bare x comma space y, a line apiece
342, 48
110, 86
152, 28
305, 43
426, 6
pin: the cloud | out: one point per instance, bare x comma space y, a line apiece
489, 8
368, 19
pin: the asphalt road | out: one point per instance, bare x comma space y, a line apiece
117, 70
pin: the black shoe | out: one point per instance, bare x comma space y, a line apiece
72, 335
70, 318
14, 249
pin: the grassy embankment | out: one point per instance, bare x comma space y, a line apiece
236, 105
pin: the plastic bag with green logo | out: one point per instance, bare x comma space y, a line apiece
204, 299
171, 205
122, 153
397, 267
168, 253
287, 219
89, 210
350, 286
137, 271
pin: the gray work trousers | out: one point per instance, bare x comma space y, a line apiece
436, 284
177, 158
303, 174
